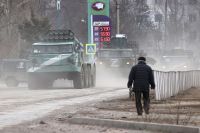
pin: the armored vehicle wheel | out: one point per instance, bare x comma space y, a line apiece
93, 80
78, 80
32, 83
11, 82
86, 77
89, 77
46, 83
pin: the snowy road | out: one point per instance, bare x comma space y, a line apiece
21, 104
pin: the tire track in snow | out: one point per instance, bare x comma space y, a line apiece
38, 110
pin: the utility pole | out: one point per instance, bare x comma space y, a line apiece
118, 19
165, 34
175, 20
9, 13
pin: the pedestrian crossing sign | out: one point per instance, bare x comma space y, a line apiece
90, 48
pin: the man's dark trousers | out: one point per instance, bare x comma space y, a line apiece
146, 101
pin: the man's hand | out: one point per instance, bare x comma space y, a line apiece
153, 87
129, 85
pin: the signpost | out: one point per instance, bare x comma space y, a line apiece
90, 49
98, 21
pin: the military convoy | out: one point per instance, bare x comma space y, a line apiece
117, 55
61, 56
177, 60
13, 71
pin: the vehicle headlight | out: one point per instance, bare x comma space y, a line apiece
185, 66
100, 63
127, 63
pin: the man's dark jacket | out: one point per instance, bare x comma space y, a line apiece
141, 76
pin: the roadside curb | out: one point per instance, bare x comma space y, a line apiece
136, 125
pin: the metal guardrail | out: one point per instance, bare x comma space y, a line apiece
171, 83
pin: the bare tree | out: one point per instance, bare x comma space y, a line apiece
13, 13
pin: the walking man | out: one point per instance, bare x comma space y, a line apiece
141, 76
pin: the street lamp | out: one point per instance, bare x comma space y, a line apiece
58, 4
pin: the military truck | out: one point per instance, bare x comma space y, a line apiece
13, 71
177, 60
118, 54
61, 56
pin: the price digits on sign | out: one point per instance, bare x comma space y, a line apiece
105, 39
105, 34
104, 28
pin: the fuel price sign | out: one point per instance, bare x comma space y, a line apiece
101, 30
104, 34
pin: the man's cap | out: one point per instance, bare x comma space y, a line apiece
142, 58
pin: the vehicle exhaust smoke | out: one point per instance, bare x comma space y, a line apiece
111, 77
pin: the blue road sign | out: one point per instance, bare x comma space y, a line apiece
90, 48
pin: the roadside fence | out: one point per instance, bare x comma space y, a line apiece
171, 83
